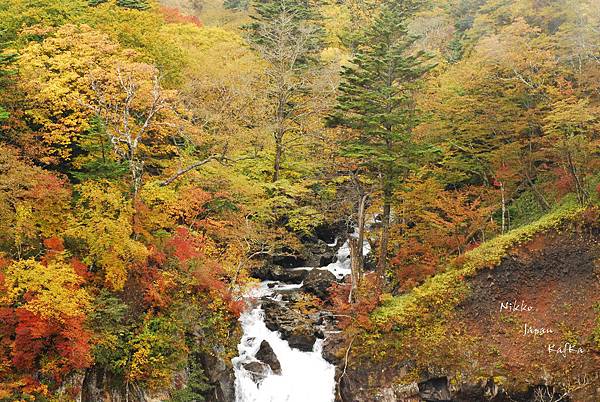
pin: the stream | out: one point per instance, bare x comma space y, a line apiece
304, 376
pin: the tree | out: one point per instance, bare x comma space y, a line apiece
572, 126
377, 104
287, 36
43, 309
131, 102
5, 62
103, 221
133, 4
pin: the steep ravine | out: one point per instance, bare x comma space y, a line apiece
284, 327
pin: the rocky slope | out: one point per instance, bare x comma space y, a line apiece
525, 329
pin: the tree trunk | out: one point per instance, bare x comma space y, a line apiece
278, 154
503, 208
355, 268
582, 194
356, 252
385, 235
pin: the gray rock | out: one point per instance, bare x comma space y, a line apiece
318, 282
293, 326
270, 272
258, 370
266, 355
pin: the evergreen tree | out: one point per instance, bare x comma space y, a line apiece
238, 5
287, 35
133, 4
376, 101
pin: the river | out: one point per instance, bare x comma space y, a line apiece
305, 376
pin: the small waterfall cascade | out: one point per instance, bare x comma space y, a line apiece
302, 376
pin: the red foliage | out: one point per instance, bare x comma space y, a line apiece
32, 334
54, 244
414, 263
47, 185
173, 15
185, 245
156, 256
209, 279
564, 182
159, 289
80, 268
65, 345
357, 313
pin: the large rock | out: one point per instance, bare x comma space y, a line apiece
258, 370
266, 355
294, 327
319, 254
219, 375
435, 390
270, 272
289, 258
318, 282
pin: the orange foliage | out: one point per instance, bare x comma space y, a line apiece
414, 263
358, 313
54, 244
65, 345
172, 15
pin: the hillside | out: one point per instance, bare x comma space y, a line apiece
516, 319
299, 200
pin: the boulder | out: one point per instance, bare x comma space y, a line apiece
258, 370
266, 355
270, 272
328, 232
289, 258
293, 326
327, 258
319, 254
435, 390
317, 282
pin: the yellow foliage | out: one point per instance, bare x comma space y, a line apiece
104, 222
53, 289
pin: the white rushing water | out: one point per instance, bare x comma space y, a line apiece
305, 376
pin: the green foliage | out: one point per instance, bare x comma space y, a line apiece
197, 384
236, 4
3, 114
109, 320
377, 94
523, 210
133, 4
99, 162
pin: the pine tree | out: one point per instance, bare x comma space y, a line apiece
287, 35
376, 101
238, 5
133, 4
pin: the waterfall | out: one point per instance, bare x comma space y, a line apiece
305, 376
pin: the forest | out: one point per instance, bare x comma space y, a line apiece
159, 160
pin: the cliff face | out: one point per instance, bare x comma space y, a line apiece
525, 330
